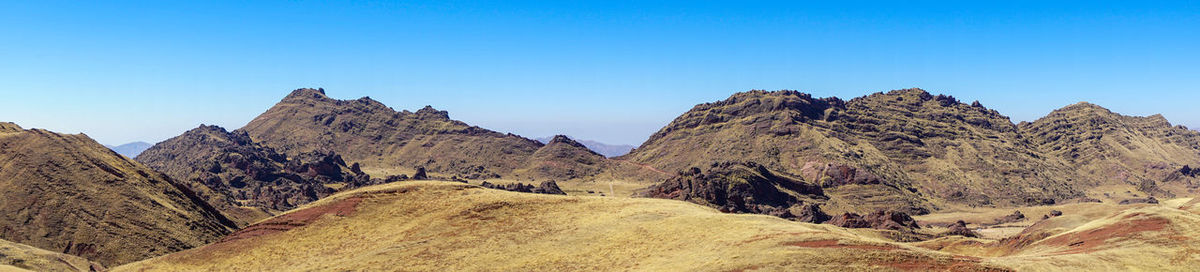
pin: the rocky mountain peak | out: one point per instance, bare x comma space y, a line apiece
307, 94
9, 127
429, 112
563, 139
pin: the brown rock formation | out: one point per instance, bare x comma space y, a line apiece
246, 180
744, 188
67, 193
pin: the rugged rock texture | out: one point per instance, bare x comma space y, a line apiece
880, 219
1016, 216
369, 132
246, 180
67, 193
1146, 154
36, 259
744, 188
902, 149
547, 187
562, 158
960, 228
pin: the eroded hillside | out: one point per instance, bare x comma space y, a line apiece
67, 193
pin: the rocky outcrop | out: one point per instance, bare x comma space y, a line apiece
1148, 200
1016, 216
744, 188
246, 180
959, 228
547, 187
880, 219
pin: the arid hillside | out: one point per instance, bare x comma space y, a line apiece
370, 133
246, 180
904, 149
67, 193
1115, 153
449, 226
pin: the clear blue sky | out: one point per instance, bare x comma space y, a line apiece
612, 71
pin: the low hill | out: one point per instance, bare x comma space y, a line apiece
455, 227
562, 158
608, 150
246, 180
67, 193
23, 257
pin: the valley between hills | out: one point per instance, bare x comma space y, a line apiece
761, 181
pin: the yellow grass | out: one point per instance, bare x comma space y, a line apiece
446, 226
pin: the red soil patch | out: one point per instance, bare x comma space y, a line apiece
835, 244
300, 218
1087, 241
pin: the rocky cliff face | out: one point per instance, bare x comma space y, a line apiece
904, 148
1145, 154
67, 193
246, 180
745, 188
371, 133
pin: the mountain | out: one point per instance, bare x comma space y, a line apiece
25, 257
1117, 153
904, 149
449, 226
563, 158
246, 180
130, 150
604, 149
370, 133
67, 193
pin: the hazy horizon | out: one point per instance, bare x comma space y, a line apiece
613, 72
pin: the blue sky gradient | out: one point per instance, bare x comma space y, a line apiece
612, 71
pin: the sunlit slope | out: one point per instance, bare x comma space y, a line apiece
67, 193
444, 226
1097, 237
20, 257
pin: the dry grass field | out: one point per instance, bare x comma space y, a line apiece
448, 226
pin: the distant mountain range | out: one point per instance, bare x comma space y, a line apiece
608, 150
130, 150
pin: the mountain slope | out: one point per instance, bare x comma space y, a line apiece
901, 149
69, 194
1145, 154
35, 259
130, 149
244, 179
373, 134
445, 226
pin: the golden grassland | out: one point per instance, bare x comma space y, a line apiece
446, 226
431, 225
